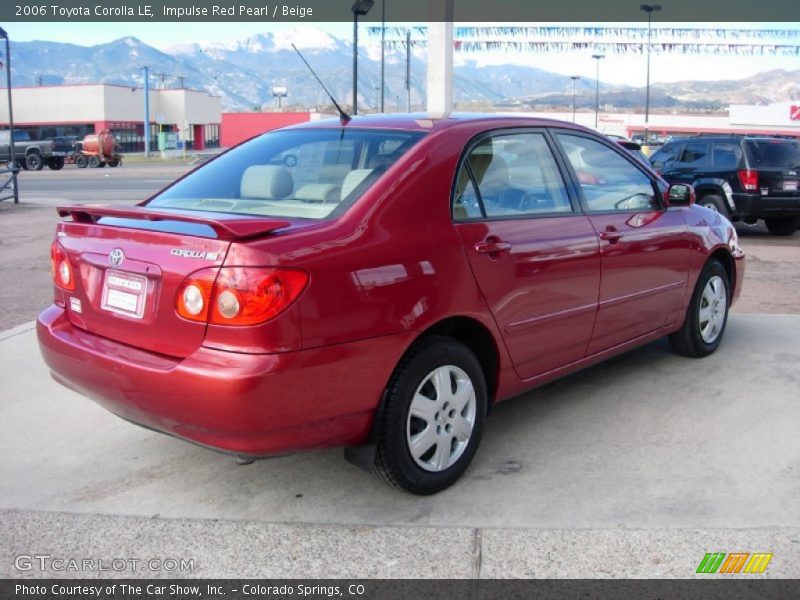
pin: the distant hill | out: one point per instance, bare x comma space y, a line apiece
244, 71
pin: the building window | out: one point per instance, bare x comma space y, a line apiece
212, 135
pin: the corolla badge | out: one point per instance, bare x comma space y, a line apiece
116, 257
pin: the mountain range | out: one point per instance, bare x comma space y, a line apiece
244, 71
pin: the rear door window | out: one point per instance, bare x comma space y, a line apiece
726, 156
510, 175
695, 154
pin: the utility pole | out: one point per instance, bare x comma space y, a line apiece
383, 53
408, 71
360, 8
649, 9
182, 79
12, 153
574, 81
146, 111
597, 57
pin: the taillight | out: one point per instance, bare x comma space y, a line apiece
240, 295
749, 179
61, 269
193, 299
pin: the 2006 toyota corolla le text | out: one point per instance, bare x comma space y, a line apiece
380, 285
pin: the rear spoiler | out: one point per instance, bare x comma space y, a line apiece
225, 228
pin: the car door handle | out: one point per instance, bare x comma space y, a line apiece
492, 247
612, 237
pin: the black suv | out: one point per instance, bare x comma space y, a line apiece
745, 178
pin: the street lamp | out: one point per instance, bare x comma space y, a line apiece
574, 81
12, 153
146, 130
361, 7
597, 57
649, 9
383, 53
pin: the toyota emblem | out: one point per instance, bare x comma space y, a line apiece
116, 257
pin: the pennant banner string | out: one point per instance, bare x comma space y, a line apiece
542, 47
699, 35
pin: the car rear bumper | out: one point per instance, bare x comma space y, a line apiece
246, 404
760, 207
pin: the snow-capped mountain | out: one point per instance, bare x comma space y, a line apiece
244, 71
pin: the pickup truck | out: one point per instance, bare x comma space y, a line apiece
31, 154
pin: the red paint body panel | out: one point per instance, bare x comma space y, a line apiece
380, 275
244, 403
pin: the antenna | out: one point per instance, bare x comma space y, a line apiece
344, 118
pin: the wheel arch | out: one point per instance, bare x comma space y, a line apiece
469, 331
724, 257
478, 338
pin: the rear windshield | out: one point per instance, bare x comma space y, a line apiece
313, 174
783, 154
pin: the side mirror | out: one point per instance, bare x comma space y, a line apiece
680, 194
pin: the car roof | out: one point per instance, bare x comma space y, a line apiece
428, 122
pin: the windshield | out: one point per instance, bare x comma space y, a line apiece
781, 154
312, 174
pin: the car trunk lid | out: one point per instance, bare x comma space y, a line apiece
128, 264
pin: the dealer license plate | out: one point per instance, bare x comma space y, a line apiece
789, 186
124, 293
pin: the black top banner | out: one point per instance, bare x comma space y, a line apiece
403, 11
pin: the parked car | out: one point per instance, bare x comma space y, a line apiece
634, 148
30, 154
745, 178
405, 275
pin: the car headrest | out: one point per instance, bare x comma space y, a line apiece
266, 181
353, 180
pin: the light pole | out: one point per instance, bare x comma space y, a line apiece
649, 9
12, 153
574, 82
146, 111
597, 57
383, 59
361, 7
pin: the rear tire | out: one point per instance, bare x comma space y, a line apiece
81, 162
34, 162
782, 225
113, 162
706, 315
434, 409
94, 162
715, 203
56, 163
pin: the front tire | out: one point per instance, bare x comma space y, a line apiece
707, 314
434, 409
81, 161
782, 225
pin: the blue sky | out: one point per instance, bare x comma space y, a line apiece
614, 69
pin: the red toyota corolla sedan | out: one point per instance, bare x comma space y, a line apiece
380, 285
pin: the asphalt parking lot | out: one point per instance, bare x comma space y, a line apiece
633, 468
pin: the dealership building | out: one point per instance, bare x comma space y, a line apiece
78, 110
